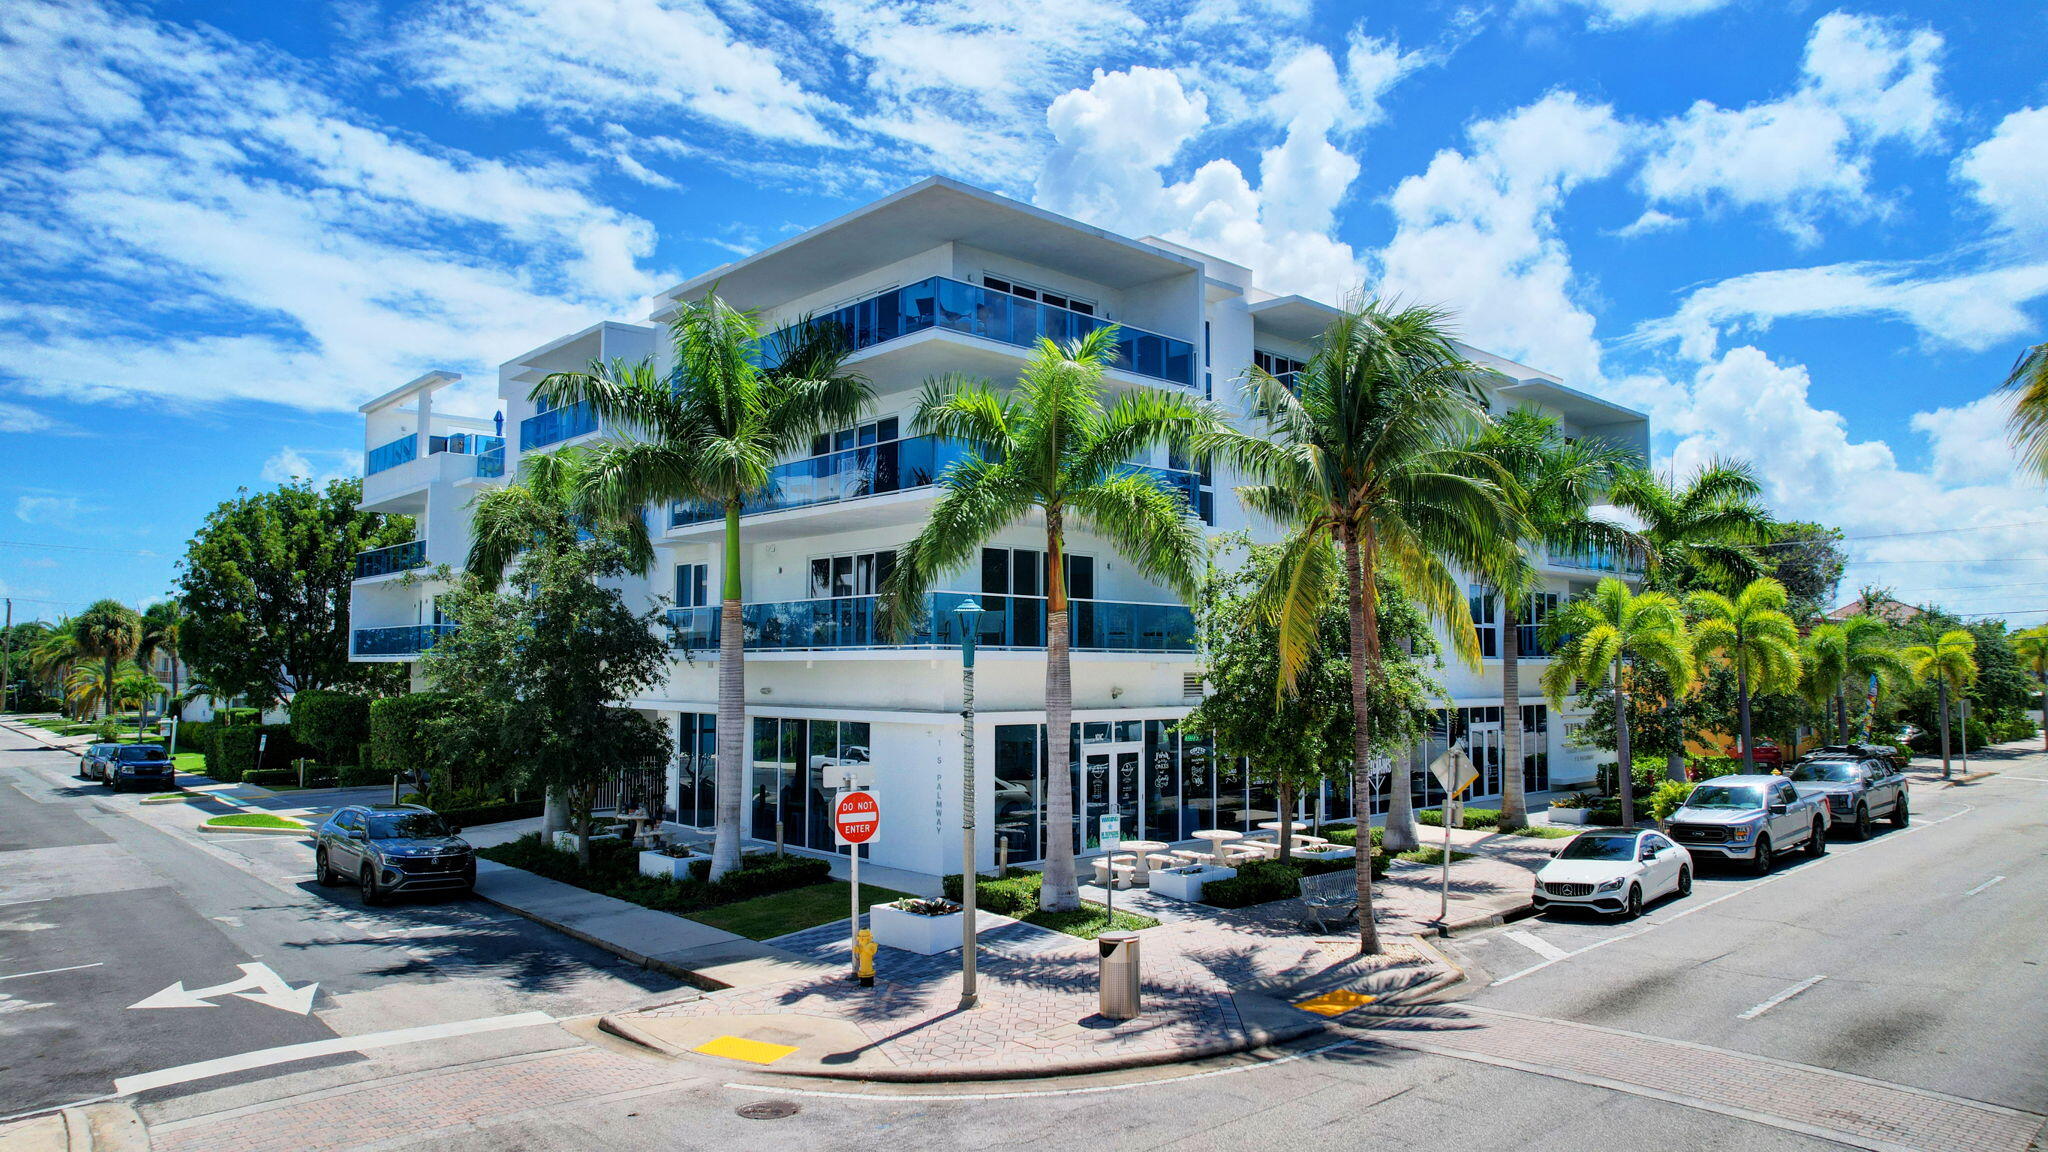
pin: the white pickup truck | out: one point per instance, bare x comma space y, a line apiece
1750, 818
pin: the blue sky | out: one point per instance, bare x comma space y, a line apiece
1810, 235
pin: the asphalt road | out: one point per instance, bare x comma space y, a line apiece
105, 902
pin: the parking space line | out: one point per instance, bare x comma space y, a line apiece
1780, 998
1984, 885
1537, 944
102, 963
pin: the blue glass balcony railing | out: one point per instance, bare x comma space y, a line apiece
956, 306
392, 558
1598, 560
1005, 622
408, 640
555, 426
873, 470
402, 450
490, 463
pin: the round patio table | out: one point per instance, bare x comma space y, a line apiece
1217, 838
1141, 849
1292, 827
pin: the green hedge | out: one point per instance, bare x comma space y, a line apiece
615, 871
1474, 817
398, 741
1014, 894
333, 722
493, 813
232, 750
352, 776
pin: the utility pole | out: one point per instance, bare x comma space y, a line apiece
6, 654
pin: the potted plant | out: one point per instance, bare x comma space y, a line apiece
1573, 809
669, 862
926, 927
1185, 881
1326, 852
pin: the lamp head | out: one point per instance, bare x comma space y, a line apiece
968, 609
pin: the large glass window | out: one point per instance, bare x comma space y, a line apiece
1018, 799
697, 764
1482, 604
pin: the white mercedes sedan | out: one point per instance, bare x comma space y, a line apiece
1614, 871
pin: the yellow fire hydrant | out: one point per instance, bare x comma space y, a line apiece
864, 958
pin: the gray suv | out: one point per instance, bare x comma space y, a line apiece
1856, 787
392, 848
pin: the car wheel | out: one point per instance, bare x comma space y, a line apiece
1635, 902
112, 782
1685, 881
1863, 826
1899, 814
372, 894
1761, 863
322, 874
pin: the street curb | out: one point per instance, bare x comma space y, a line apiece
692, 978
1254, 1038
187, 798
233, 830
1491, 920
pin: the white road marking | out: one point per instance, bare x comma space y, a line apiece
258, 984
1752, 886
1984, 885
1780, 998
52, 971
266, 1057
1537, 944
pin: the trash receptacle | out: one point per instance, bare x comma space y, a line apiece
1118, 974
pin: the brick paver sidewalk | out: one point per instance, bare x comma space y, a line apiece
1854, 1110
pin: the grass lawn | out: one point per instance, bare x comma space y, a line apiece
1430, 856
1544, 832
1090, 921
253, 820
778, 913
190, 763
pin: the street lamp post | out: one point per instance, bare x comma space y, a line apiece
969, 612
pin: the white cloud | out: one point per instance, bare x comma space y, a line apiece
1477, 231
1864, 82
22, 418
1615, 13
55, 511
289, 463
1650, 223
2008, 173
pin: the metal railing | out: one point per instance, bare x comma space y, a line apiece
849, 474
391, 558
406, 640
1005, 622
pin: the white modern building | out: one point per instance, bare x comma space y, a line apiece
940, 277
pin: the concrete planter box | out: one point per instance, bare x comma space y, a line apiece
1175, 885
665, 867
1334, 852
1579, 816
924, 935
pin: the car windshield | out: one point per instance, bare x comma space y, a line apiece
1825, 772
1600, 848
142, 752
1726, 796
409, 826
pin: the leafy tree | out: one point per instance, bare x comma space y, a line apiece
108, 632
1303, 737
266, 582
1363, 462
1702, 533
1950, 662
547, 658
711, 432
2028, 423
1752, 635
1595, 636
1050, 449
163, 630
1549, 484
2031, 646
1808, 559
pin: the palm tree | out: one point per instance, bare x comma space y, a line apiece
1594, 635
711, 431
1050, 449
163, 625
2031, 646
1852, 651
1364, 461
1952, 663
107, 631
54, 653
1700, 533
1549, 483
1752, 635
2028, 423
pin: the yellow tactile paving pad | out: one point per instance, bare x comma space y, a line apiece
1335, 1003
741, 1048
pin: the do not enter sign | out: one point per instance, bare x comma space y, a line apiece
856, 817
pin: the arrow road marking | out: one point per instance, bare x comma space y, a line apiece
258, 983
1781, 997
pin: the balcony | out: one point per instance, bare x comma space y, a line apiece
955, 306
490, 463
555, 426
409, 640
384, 457
1598, 560
1006, 622
392, 558
852, 474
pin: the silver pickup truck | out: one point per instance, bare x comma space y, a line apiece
1858, 784
1750, 818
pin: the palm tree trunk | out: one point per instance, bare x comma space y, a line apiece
1624, 766
1360, 603
175, 706
1514, 797
1283, 790
1842, 712
732, 704
1963, 705
107, 686
1941, 693
1742, 707
1060, 892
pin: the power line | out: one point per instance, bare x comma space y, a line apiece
1957, 560
1896, 535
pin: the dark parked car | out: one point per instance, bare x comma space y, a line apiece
92, 761
1857, 787
127, 764
392, 848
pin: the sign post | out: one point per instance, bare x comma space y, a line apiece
855, 820
1110, 834
1456, 772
